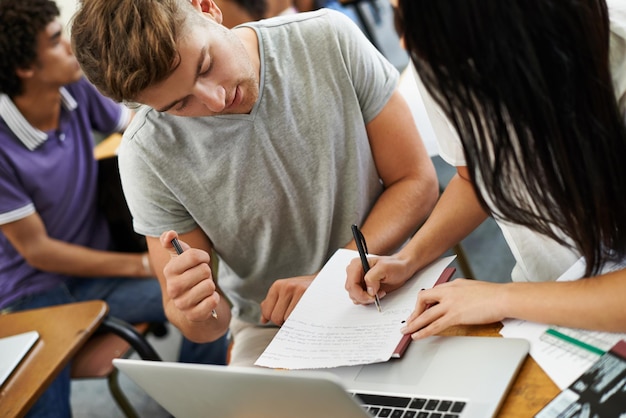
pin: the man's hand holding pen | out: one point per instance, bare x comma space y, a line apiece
189, 281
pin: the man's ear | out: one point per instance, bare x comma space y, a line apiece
26, 72
208, 7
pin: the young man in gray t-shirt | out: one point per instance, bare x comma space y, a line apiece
294, 131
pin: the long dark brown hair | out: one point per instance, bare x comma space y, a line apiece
526, 84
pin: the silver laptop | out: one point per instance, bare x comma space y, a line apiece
452, 376
12, 350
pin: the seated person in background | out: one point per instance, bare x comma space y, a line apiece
263, 143
55, 245
539, 143
241, 11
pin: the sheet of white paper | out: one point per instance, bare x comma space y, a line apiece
327, 330
563, 362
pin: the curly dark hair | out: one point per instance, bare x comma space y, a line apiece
20, 23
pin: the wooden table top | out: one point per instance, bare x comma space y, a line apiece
62, 331
107, 148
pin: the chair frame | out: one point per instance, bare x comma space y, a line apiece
134, 335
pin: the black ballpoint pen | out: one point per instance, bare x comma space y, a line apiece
179, 251
361, 246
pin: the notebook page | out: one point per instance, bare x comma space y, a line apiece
327, 330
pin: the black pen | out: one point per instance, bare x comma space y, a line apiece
361, 246
179, 251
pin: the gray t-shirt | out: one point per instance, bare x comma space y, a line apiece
275, 190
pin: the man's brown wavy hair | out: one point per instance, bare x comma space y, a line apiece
125, 46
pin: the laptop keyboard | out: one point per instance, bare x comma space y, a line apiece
407, 407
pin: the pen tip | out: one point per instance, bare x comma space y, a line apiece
377, 303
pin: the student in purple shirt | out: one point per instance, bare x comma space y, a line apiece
55, 243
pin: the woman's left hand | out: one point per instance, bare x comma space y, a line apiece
460, 302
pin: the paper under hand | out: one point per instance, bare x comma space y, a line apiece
327, 330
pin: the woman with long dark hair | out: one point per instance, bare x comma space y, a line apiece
534, 94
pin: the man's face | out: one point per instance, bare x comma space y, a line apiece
215, 76
55, 64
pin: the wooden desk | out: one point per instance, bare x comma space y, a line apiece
62, 331
531, 390
107, 148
